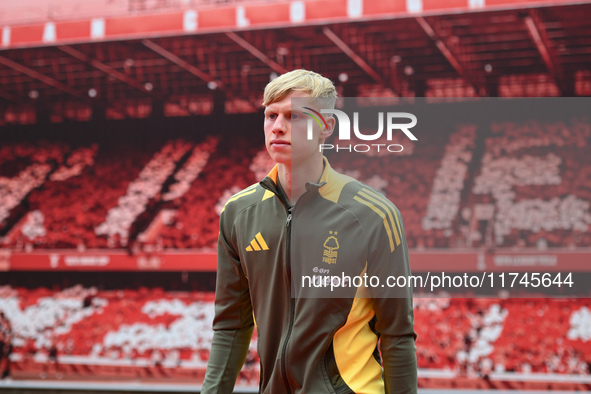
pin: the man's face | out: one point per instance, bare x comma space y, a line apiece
286, 131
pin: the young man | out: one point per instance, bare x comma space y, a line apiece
303, 219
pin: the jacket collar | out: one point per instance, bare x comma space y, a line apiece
328, 174
329, 187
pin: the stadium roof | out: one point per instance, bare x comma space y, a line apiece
543, 50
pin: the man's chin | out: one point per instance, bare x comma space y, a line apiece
281, 159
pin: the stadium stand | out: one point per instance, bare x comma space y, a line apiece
531, 177
560, 347
143, 332
529, 171
196, 222
140, 329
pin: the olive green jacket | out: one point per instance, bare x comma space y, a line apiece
312, 339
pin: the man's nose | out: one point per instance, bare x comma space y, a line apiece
280, 125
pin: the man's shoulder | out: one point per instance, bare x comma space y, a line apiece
342, 188
245, 198
360, 197
354, 195
374, 211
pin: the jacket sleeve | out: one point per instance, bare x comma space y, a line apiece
394, 311
233, 322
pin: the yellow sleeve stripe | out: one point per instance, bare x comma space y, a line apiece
246, 192
388, 203
248, 189
389, 211
383, 215
259, 238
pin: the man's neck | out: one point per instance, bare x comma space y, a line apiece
293, 179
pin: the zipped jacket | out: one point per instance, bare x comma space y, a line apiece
312, 339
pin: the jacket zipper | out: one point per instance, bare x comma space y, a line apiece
292, 301
288, 266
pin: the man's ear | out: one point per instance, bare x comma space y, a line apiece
327, 132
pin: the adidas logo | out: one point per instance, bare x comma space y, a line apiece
258, 243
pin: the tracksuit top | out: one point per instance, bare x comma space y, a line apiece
311, 339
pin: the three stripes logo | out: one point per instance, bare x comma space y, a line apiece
257, 243
387, 212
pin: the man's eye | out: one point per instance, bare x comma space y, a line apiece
294, 116
272, 116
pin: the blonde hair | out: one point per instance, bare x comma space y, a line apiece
313, 83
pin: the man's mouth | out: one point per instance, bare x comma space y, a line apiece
280, 143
